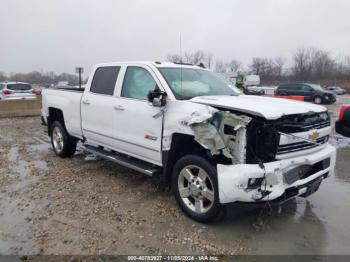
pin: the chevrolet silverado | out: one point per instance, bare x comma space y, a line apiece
200, 135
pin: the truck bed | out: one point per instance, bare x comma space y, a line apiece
81, 90
68, 101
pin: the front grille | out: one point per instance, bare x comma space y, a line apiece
316, 126
304, 122
299, 146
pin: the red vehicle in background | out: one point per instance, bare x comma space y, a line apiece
342, 126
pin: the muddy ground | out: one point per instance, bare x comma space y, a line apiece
85, 205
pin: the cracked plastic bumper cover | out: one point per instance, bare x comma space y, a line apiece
233, 179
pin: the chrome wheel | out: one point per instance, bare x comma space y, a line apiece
57, 139
196, 189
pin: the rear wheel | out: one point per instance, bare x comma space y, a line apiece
195, 187
317, 100
63, 144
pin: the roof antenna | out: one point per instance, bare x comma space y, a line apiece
181, 64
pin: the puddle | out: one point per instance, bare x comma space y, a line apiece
17, 234
40, 164
39, 149
339, 141
318, 224
13, 154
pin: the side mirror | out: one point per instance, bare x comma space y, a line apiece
157, 97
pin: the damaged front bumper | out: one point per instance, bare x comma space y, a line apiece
275, 180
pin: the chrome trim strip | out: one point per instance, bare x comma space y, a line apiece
121, 140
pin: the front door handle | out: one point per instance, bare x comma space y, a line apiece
86, 102
119, 107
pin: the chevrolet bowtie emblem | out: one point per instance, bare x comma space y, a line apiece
314, 136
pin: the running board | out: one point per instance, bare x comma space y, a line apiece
124, 160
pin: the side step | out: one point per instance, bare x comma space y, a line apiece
124, 160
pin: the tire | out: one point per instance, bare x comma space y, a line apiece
196, 179
62, 143
317, 100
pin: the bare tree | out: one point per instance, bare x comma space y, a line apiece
209, 59
220, 67
2, 76
302, 59
234, 65
175, 58
191, 58
279, 64
259, 65
195, 57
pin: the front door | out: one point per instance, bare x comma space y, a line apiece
138, 122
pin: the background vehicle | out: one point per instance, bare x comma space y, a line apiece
195, 131
336, 90
16, 90
37, 89
310, 92
342, 126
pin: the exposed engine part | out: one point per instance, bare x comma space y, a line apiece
222, 132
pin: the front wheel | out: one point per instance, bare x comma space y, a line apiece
63, 144
195, 187
317, 100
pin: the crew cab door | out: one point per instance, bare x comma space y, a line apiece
138, 122
97, 107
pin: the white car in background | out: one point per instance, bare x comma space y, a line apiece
16, 90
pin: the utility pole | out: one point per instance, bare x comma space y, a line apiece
79, 70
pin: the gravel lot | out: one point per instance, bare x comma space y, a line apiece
85, 205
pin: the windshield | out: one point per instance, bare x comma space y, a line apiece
187, 83
316, 87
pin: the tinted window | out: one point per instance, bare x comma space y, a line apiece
22, 87
283, 87
137, 83
104, 80
297, 87
307, 88
2, 86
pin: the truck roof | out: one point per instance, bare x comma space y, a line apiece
158, 64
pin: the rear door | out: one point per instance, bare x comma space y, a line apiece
307, 91
284, 90
138, 122
97, 107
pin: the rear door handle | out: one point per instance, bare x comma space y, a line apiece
86, 102
119, 107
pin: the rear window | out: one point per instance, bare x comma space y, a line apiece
19, 87
104, 80
2, 86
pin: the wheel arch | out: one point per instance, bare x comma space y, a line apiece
181, 145
55, 114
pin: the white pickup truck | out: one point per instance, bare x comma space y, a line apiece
187, 125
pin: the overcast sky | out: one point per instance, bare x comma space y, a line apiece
57, 35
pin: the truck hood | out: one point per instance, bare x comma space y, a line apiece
267, 107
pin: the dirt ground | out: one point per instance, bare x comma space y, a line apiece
85, 205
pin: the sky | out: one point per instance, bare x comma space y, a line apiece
58, 35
